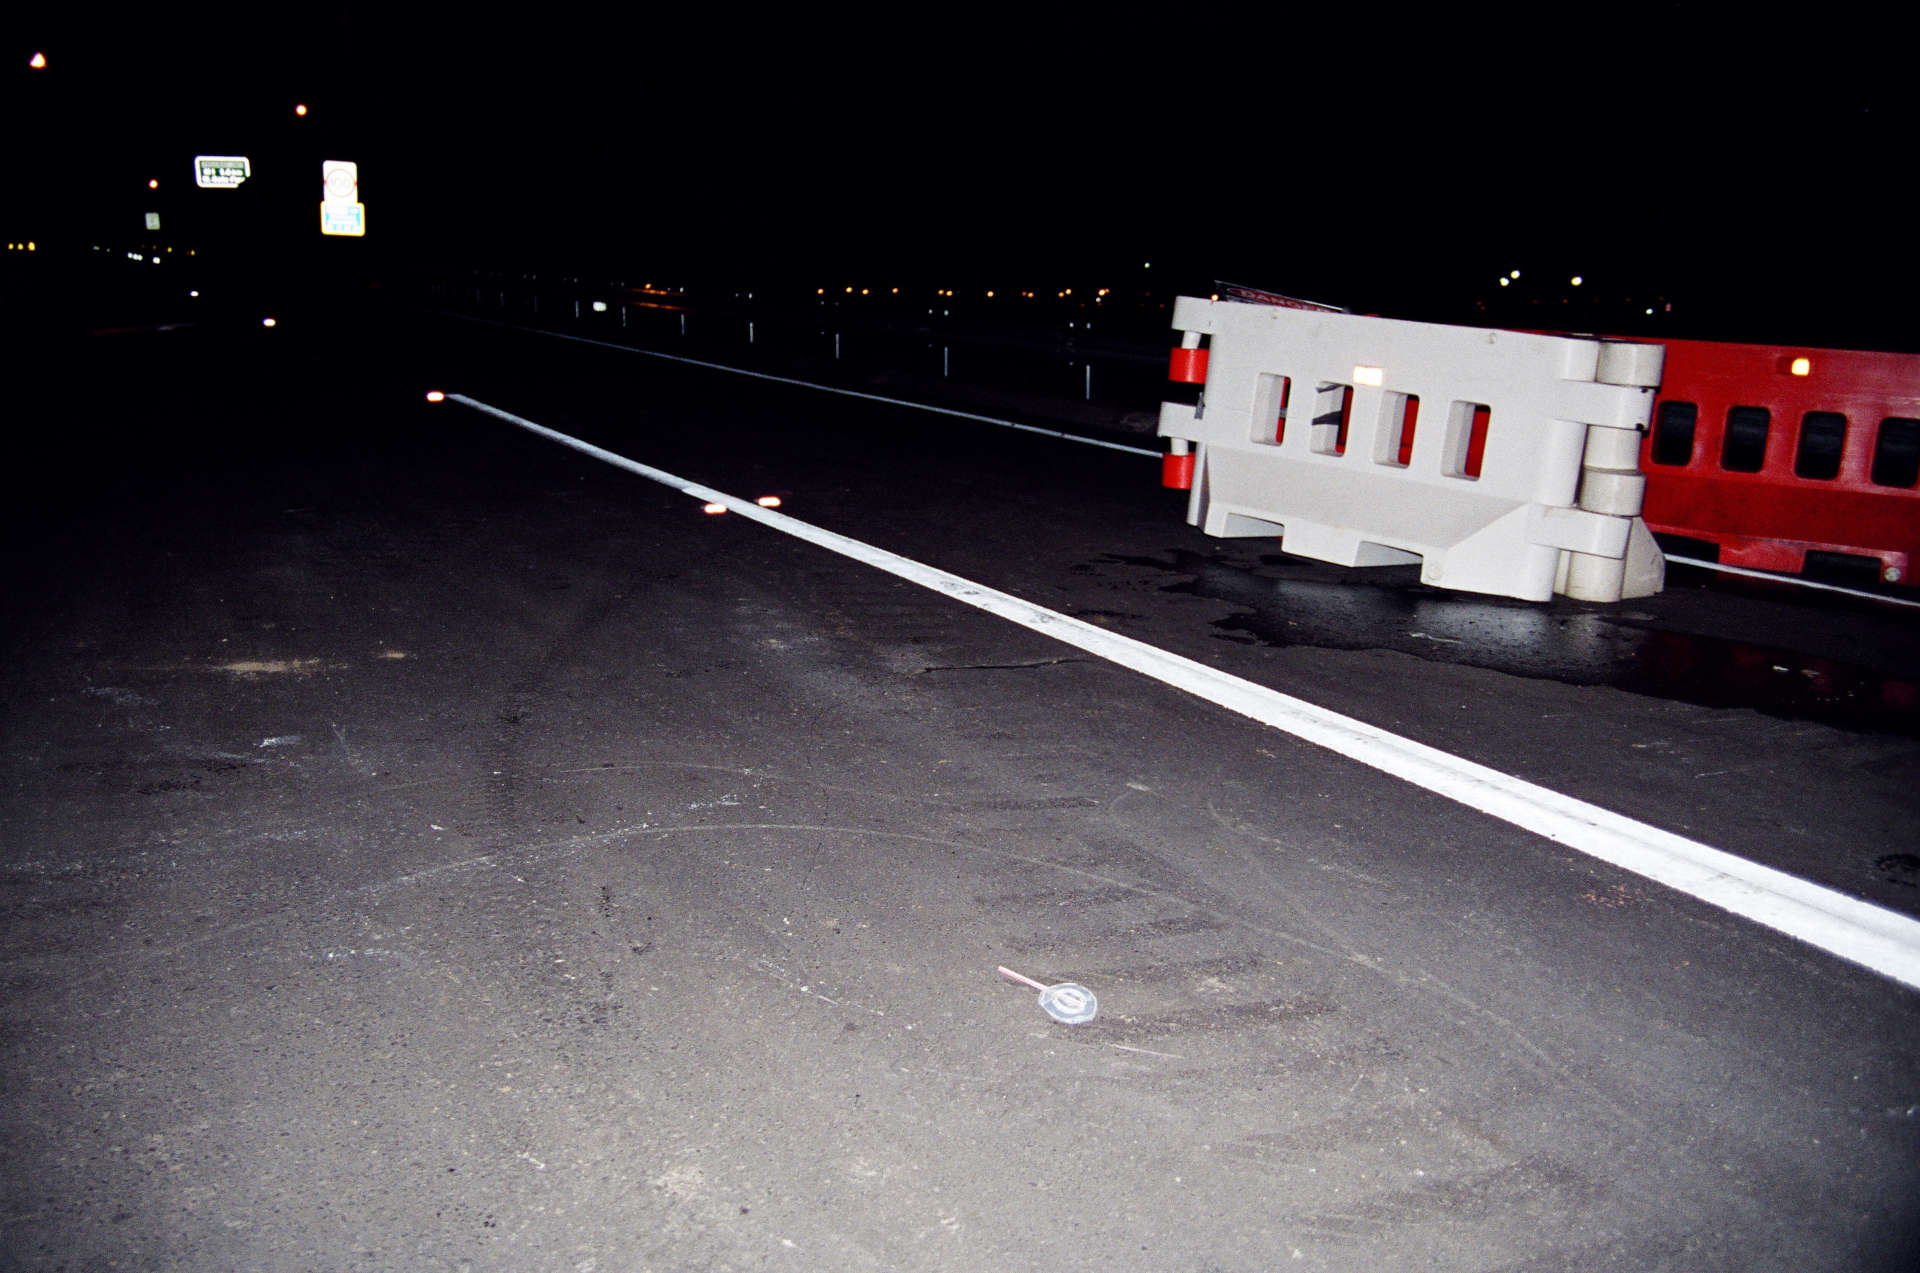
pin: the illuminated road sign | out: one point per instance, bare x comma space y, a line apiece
221, 172
343, 218
341, 211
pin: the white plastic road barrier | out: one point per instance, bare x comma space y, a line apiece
1521, 476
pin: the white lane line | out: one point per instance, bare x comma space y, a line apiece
1795, 580
810, 384
1877, 938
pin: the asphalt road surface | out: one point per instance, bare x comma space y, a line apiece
428, 848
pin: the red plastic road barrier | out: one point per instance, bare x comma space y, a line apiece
1771, 452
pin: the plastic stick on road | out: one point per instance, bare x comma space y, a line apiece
1069, 1002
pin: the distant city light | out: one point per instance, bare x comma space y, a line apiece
1514, 274
768, 501
434, 395
38, 61
301, 109
1576, 280
713, 508
153, 183
1505, 281
268, 322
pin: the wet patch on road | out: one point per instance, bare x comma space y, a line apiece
1282, 601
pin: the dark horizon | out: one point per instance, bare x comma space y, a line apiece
1408, 191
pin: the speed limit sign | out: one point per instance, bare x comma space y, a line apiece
341, 211
339, 181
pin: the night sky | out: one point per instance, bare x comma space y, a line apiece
1750, 178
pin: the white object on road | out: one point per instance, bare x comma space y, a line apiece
1069, 1003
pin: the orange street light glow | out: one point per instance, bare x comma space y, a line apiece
768, 501
301, 109
713, 508
434, 395
38, 61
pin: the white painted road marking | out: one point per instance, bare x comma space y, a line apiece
1792, 579
1877, 938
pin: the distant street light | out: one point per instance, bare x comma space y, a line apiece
38, 61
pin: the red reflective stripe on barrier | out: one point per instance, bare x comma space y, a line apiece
1772, 465
1176, 472
1188, 366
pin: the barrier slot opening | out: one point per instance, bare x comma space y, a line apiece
1465, 444
1393, 442
1823, 434
1673, 427
1744, 448
1896, 452
1269, 420
1332, 405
